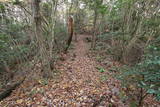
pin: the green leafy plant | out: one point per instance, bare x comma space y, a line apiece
143, 78
100, 69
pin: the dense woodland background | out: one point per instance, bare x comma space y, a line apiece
33, 36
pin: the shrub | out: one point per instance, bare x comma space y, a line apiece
143, 78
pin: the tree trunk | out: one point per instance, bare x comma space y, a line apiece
70, 30
40, 39
9, 89
93, 44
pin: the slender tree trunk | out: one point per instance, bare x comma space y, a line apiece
70, 30
93, 44
40, 39
52, 40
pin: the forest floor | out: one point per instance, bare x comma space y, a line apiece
77, 83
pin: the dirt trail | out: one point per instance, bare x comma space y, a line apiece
80, 84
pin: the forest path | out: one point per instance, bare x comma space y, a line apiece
79, 84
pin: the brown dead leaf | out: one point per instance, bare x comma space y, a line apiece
19, 101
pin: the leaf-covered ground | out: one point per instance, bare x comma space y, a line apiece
78, 83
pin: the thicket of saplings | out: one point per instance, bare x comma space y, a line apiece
134, 40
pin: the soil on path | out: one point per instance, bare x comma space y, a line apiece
80, 84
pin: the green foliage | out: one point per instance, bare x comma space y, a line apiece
60, 34
2, 8
97, 5
100, 69
103, 9
153, 22
11, 43
145, 75
3, 41
117, 35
